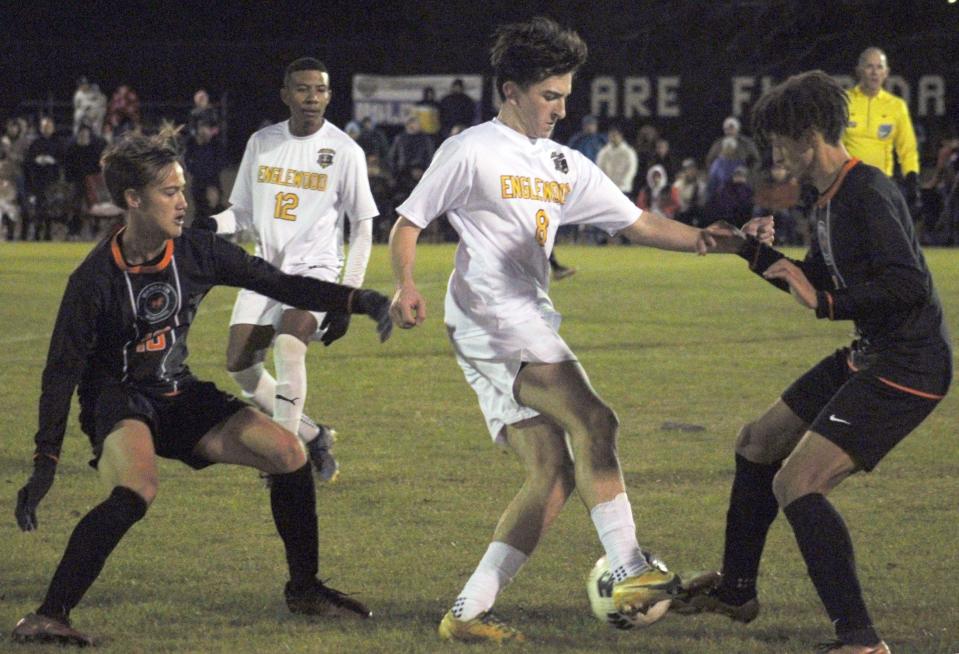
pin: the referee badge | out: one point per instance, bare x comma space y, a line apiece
325, 158
559, 160
885, 129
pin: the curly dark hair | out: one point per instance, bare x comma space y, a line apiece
809, 101
136, 160
529, 52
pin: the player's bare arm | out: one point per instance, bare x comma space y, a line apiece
657, 231
799, 286
409, 307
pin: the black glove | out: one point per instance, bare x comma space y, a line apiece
206, 223
911, 184
44, 469
334, 325
377, 307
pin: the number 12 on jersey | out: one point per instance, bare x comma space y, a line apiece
284, 206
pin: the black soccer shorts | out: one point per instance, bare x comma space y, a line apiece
857, 411
177, 422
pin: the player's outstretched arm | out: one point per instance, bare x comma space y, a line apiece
408, 308
658, 231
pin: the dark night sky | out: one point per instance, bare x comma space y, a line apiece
167, 50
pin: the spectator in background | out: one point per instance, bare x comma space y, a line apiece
204, 160
618, 160
203, 113
777, 194
746, 151
43, 166
80, 162
456, 108
123, 112
657, 194
734, 200
721, 168
662, 156
411, 149
13, 150
690, 190
372, 140
353, 130
428, 112
588, 140
937, 189
879, 124
89, 107
381, 185
646, 139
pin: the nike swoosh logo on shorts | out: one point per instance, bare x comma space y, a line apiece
833, 418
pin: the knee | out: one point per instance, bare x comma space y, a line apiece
287, 453
146, 486
602, 424
753, 442
789, 487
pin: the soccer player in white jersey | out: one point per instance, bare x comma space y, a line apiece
296, 182
506, 188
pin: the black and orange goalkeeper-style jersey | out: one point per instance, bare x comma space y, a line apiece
866, 265
120, 323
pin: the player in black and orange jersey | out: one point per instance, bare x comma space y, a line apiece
120, 338
849, 410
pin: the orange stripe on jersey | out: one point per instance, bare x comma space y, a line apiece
911, 391
834, 187
123, 265
898, 387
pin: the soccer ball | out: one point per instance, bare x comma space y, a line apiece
599, 587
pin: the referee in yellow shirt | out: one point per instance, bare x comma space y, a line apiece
879, 123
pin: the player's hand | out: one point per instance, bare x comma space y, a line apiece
376, 306
762, 228
44, 469
408, 308
799, 286
334, 326
725, 237
206, 223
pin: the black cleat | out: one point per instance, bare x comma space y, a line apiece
36, 628
320, 599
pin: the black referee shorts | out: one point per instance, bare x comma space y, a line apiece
857, 411
177, 422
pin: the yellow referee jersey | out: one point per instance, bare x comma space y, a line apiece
877, 125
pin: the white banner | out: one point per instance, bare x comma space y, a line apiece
391, 99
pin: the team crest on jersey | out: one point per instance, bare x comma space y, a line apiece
885, 130
156, 302
325, 158
559, 160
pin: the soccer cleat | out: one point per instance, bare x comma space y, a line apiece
635, 594
320, 451
845, 648
320, 599
36, 628
700, 595
562, 272
484, 627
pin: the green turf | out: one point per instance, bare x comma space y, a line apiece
665, 337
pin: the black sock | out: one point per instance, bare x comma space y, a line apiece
94, 537
752, 509
827, 549
293, 500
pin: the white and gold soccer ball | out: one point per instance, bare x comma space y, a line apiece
599, 588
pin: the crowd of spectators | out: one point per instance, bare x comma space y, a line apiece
51, 176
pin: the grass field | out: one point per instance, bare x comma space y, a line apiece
665, 337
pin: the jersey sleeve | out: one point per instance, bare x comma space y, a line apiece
357, 198
71, 345
444, 186
241, 197
595, 200
899, 281
905, 141
233, 266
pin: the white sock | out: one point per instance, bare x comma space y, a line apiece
617, 532
258, 386
289, 359
494, 573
